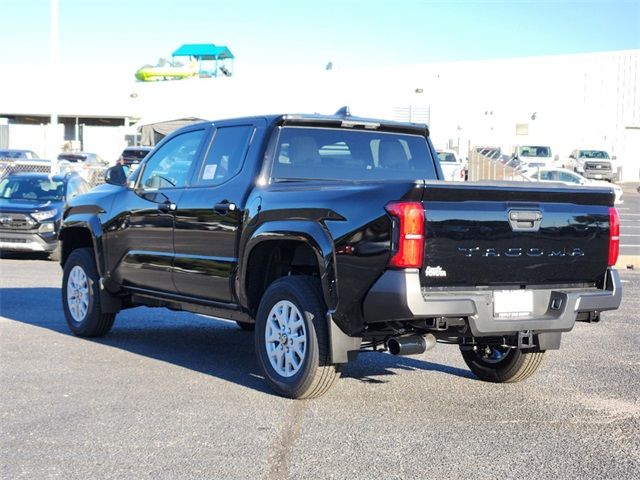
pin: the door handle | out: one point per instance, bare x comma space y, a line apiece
525, 220
224, 207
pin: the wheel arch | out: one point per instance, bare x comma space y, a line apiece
82, 234
304, 241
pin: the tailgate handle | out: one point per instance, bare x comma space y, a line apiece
525, 220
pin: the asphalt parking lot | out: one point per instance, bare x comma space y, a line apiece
176, 395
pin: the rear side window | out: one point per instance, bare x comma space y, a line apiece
343, 154
226, 155
545, 175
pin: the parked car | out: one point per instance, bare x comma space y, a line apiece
14, 154
569, 177
85, 158
452, 166
132, 156
329, 234
531, 156
594, 164
31, 206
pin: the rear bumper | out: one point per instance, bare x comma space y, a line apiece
26, 242
397, 295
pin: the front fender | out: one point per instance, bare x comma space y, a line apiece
313, 234
79, 224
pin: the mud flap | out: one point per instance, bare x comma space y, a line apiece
344, 349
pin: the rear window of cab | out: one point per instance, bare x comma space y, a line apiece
345, 154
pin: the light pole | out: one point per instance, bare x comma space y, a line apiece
53, 59
52, 132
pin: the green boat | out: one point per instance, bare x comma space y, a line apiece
168, 72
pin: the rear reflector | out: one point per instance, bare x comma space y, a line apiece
408, 250
614, 236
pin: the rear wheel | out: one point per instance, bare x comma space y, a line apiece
81, 296
495, 363
292, 338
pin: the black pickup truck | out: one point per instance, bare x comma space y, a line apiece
333, 234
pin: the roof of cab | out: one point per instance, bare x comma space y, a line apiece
342, 118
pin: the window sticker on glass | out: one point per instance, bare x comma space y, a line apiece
209, 172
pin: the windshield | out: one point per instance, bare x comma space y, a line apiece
532, 151
41, 189
342, 154
594, 154
446, 157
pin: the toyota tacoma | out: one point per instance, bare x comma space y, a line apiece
329, 235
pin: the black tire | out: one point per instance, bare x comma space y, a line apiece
503, 365
86, 321
315, 374
249, 327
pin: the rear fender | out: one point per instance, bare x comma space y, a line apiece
311, 233
343, 347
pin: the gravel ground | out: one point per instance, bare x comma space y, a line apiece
176, 395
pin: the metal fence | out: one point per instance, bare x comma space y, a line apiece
484, 164
490, 164
93, 175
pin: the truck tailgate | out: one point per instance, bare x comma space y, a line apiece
505, 234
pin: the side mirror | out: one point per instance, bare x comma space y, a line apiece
556, 158
115, 176
614, 158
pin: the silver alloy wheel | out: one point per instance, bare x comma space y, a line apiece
78, 293
285, 337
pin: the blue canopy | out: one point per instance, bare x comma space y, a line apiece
203, 51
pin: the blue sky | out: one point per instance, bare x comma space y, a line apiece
117, 36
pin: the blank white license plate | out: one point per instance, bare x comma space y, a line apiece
512, 303
597, 175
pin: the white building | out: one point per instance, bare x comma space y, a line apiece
566, 101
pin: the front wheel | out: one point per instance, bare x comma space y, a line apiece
498, 364
292, 338
81, 296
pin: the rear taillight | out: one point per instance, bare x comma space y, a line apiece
614, 236
408, 244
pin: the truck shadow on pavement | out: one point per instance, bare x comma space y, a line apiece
371, 365
210, 346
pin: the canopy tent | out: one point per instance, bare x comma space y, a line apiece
208, 52
152, 133
203, 51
